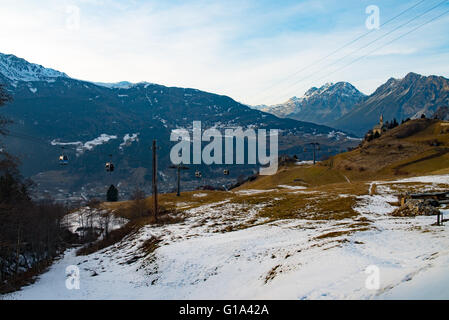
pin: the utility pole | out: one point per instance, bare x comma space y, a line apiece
179, 167
316, 146
155, 204
314, 158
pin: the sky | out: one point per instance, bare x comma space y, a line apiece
255, 51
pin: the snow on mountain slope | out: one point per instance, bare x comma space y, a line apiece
319, 105
123, 84
18, 69
89, 145
287, 259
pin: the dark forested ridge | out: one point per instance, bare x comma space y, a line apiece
49, 112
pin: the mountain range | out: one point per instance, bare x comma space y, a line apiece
320, 105
409, 97
97, 122
344, 107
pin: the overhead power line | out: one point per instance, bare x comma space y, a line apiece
342, 47
388, 43
368, 44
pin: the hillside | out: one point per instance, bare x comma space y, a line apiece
414, 148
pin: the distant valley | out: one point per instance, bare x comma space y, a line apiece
98, 122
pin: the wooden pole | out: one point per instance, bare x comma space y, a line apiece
178, 168
314, 161
179, 181
315, 149
155, 204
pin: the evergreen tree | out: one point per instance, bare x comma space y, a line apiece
4, 98
112, 194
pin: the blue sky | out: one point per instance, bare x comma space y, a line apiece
250, 50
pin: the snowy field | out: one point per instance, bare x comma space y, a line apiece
289, 259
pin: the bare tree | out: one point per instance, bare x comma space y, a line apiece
138, 206
30, 232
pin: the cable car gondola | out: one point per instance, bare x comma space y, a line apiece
109, 165
63, 158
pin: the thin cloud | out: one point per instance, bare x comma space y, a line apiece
244, 49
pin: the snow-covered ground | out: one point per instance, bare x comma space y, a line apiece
253, 192
292, 187
288, 259
95, 218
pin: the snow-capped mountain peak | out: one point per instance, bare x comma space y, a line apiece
341, 88
320, 105
315, 91
123, 84
18, 69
